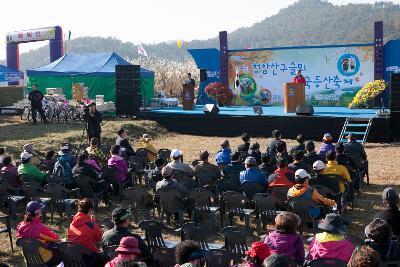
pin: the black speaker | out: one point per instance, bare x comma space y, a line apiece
395, 92
307, 110
203, 75
395, 124
211, 109
128, 98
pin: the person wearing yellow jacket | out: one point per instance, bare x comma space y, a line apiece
302, 191
144, 142
332, 167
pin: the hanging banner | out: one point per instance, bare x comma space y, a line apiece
31, 35
334, 74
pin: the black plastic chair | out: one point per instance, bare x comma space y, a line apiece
280, 195
164, 257
143, 155
200, 200
153, 234
164, 153
34, 192
11, 200
140, 201
390, 264
206, 177
190, 184
170, 203
220, 258
30, 250
85, 190
225, 185
59, 200
236, 239
108, 174
250, 189
200, 233
327, 262
302, 209
72, 254
234, 204
265, 210
7, 229
181, 176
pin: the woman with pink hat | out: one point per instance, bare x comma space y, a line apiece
128, 249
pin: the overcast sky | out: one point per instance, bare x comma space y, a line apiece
147, 21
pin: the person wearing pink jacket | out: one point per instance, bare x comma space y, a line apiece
119, 163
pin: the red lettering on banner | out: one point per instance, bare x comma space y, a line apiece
20, 35
28, 34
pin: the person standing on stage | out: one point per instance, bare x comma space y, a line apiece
94, 119
36, 98
190, 80
299, 78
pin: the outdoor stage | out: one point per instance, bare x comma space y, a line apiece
233, 121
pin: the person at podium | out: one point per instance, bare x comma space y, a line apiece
299, 78
190, 80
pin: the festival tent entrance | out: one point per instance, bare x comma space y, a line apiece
95, 70
10, 75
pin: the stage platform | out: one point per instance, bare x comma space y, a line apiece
233, 121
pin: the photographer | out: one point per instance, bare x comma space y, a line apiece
93, 120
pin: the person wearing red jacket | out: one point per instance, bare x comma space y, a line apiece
282, 177
299, 78
85, 231
33, 227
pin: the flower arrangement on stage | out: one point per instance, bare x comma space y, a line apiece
220, 93
367, 94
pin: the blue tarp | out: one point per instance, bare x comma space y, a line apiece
10, 75
91, 64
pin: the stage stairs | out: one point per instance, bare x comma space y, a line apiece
357, 126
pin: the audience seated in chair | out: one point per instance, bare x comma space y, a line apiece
34, 158
355, 150
178, 164
364, 257
298, 162
327, 145
321, 179
127, 250
85, 231
224, 155
188, 254
28, 169
144, 142
244, 147
236, 165
381, 240
12, 171
311, 155
300, 145
277, 139
49, 160
280, 152
284, 239
113, 237
278, 260
282, 176
123, 142
119, 163
332, 243
266, 166
391, 214
252, 173
256, 255
95, 152
332, 167
254, 151
168, 182
33, 227
344, 159
205, 165
302, 191
64, 164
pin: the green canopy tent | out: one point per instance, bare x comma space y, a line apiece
95, 70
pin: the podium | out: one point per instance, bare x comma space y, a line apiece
294, 94
188, 96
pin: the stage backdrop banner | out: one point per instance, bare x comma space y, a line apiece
334, 74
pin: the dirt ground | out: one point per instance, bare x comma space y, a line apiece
14, 133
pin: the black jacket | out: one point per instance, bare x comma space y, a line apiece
123, 142
84, 169
392, 217
93, 123
113, 236
35, 97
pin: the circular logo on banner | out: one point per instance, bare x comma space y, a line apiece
265, 96
248, 85
348, 65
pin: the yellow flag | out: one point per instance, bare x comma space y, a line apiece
179, 43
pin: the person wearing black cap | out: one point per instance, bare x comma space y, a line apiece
391, 214
355, 150
311, 155
94, 119
243, 148
331, 243
112, 237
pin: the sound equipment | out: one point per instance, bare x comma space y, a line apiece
211, 109
395, 105
258, 110
203, 75
306, 110
128, 97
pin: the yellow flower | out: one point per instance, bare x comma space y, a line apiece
367, 93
